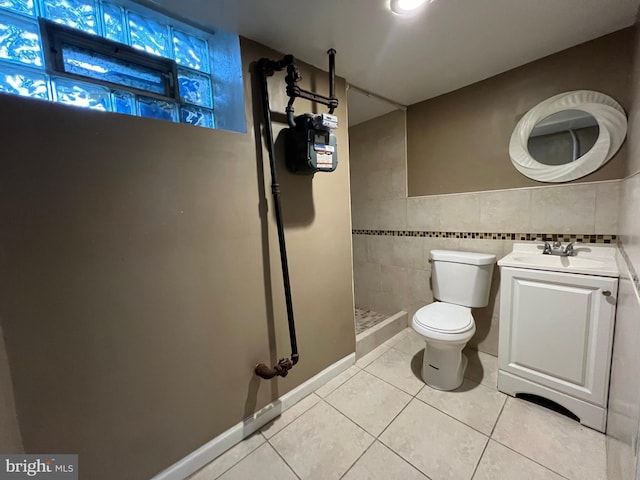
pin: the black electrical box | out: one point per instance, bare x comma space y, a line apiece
311, 147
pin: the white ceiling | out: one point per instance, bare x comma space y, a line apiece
364, 106
446, 45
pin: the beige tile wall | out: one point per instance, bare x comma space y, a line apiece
586, 208
629, 228
623, 423
624, 396
392, 273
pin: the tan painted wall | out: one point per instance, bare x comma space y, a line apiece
10, 441
459, 142
140, 279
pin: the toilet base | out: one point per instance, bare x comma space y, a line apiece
443, 365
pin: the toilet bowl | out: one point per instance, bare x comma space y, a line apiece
460, 281
446, 329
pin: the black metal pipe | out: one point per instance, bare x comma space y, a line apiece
295, 91
265, 68
291, 119
332, 76
293, 76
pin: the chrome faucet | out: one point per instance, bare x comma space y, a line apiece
557, 249
568, 250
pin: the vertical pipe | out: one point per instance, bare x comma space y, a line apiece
275, 190
332, 75
576, 145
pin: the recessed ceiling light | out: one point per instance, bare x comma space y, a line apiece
402, 7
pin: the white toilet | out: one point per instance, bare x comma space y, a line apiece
460, 281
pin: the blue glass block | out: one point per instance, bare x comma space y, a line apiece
19, 81
78, 14
195, 88
21, 6
20, 41
190, 51
196, 116
154, 108
148, 35
102, 67
123, 102
113, 23
82, 94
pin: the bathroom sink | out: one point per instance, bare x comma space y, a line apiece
590, 260
558, 261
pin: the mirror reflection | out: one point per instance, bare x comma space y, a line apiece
563, 137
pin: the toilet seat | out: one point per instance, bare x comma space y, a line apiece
444, 318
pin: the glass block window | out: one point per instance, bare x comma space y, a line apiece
190, 51
124, 102
20, 81
82, 94
195, 88
148, 35
20, 41
87, 74
113, 23
154, 108
73, 13
21, 6
196, 116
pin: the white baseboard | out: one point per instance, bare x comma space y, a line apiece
223, 442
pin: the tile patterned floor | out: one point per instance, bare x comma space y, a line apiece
366, 319
378, 421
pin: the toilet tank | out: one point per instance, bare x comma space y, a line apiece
462, 278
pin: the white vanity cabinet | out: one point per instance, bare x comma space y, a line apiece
556, 334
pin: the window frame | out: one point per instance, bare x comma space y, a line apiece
55, 35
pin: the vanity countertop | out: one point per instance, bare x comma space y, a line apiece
588, 260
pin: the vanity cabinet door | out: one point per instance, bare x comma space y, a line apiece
556, 329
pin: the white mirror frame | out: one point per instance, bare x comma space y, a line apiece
612, 122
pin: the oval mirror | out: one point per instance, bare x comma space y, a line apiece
563, 137
568, 136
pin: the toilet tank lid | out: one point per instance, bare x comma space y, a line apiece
471, 258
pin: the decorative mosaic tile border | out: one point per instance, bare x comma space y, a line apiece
632, 270
540, 237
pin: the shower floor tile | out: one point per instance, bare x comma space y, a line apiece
367, 426
366, 319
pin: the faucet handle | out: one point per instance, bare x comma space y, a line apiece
568, 250
547, 249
